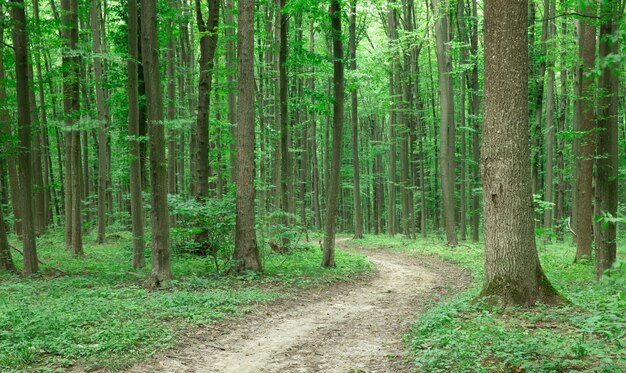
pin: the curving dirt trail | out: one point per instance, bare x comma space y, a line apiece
354, 327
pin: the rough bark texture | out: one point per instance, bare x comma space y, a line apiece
328, 258
246, 250
6, 261
20, 45
607, 175
513, 274
71, 108
587, 143
161, 270
136, 204
446, 130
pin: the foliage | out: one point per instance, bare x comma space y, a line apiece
101, 314
203, 227
462, 335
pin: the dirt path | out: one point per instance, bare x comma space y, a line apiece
354, 327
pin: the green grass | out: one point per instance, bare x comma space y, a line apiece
102, 314
462, 335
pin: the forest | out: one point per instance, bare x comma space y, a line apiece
316, 186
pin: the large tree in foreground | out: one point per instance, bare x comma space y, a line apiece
20, 48
328, 259
159, 212
246, 252
513, 274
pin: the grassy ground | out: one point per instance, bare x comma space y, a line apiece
461, 335
102, 315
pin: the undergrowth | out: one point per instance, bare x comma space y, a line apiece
466, 336
101, 314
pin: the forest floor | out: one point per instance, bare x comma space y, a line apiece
348, 327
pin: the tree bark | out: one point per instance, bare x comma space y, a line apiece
161, 270
20, 46
550, 136
103, 119
354, 118
71, 108
587, 141
607, 175
136, 203
246, 249
328, 258
446, 131
208, 46
513, 274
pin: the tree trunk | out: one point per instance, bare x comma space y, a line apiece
549, 188
161, 270
231, 75
560, 190
587, 142
328, 259
246, 250
6, 261
607, 175
9, 148
172, 133
208, 46
71, 108
513, 274
475, 106
358, 219
103, 118
136, 203
446, 131
391, 197
20, 47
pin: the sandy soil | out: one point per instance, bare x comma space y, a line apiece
353, 327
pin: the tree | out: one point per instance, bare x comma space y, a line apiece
103, 118
246, 250
6, 261
20, 47
208, 45
71, 109
607, 175
513, 274
587, 142
161, 270
446, 129
136, 202
354, 119
328, 259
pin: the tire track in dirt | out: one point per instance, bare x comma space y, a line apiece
353, 327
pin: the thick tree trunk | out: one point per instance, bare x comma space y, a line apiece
446, 131
71, 108
328, 258
20, 47
607, 175
513, 274
136, 203
587, 142
161, 270
246, 249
